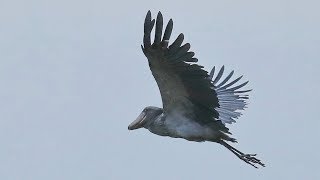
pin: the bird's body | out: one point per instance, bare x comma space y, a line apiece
178, 125
196, 105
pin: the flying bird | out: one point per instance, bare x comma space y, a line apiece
197, 105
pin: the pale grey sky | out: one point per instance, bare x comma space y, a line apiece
73, 77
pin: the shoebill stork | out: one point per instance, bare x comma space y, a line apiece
196, 105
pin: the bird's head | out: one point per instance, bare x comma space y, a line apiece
146, 116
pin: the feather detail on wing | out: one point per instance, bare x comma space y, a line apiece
231, 99
183, 85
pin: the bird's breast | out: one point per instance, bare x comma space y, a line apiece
184, 127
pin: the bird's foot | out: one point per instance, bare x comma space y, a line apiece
250, 159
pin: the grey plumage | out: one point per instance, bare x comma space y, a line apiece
230, 100
196, 105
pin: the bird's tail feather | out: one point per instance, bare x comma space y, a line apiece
226, 137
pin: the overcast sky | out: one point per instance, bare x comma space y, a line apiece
73, 77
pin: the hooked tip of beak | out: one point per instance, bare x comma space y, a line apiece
134, 126
130, 128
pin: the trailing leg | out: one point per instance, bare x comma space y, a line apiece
248, 158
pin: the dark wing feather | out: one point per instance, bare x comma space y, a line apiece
183, 86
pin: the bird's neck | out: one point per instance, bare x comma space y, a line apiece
157, 126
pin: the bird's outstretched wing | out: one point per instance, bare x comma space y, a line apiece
231, 99
183, 85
